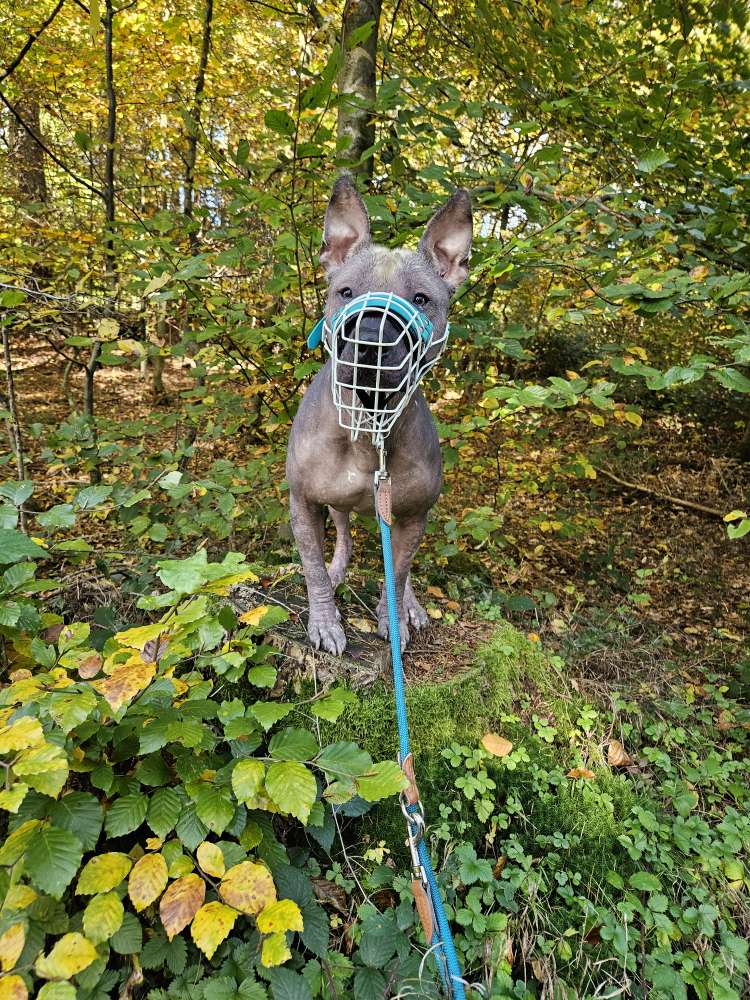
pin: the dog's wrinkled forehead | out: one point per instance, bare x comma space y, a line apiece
378, 269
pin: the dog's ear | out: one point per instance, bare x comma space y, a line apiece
447, 239
347, 226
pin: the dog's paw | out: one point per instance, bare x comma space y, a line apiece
414, 613
384, 630
327, 635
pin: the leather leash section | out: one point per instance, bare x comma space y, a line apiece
411, 792
383, 499
424, 908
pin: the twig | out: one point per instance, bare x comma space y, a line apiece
678, 501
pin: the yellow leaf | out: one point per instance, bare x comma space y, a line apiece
435, 613
255, 615
596, 419
147, 881
13, 988
211, 859
436, 592
616, 755
283, 915
103, 917
72, 954
580, 772
125, 682
363, 624
17, 842
138, 637
21, 734
11, 946
532, 636
633, 418
248, 887
11, 798
496, 745
700, 272
734, 515
19, 897
247, 779
211, 925
275, 950
181, 902
103, 873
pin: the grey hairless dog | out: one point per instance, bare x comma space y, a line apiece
325, 468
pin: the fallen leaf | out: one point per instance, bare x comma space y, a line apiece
617, 755
363, 624
255, 615
580, 772
498, 746
436, 592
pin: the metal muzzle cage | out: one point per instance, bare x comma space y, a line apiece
380, 345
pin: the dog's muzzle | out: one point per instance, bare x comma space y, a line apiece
380, 345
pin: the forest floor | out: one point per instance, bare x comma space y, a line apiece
623, 582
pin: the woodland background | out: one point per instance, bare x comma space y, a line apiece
164, 169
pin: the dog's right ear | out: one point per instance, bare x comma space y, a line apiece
347, 226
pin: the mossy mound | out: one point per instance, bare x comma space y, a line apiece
511, 681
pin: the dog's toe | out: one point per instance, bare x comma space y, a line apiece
385, 633
328, 636
416, 614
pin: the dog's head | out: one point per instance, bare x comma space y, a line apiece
427, 277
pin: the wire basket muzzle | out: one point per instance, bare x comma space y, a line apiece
380, 345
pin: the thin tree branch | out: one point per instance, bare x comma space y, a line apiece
30, 41
677, 501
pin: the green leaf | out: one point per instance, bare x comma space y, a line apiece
344, 760
730, 378
52, 860
126, 814
383, 779
359, 35
213, 806
81, 814
15, 546
190, 829
247, 779
59, 516
288, 985
292, 787
163, 811
369, 984
380, 936
652, 160
129, 939
280, 121
184, 575
293, 744
17, 492
268, 713
92, 496
103, 917
333, 704
645, 882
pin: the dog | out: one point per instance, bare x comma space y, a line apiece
325, 468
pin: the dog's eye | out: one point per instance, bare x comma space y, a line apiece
420, 299
345, 293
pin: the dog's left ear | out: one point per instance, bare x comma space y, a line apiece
447, 239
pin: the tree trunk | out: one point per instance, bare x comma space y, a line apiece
357, 84
14, 423
195, 118
28, 155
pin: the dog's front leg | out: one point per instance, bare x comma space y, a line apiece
323, 626
407, 534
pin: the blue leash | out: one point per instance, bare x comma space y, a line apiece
424, 884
